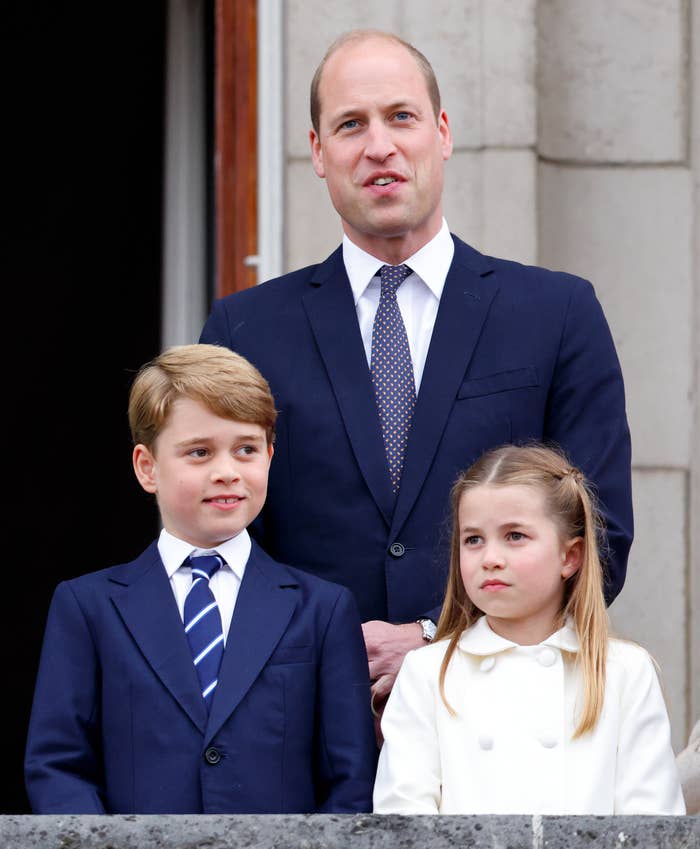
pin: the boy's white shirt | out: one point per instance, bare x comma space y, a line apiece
224, 584
509, 749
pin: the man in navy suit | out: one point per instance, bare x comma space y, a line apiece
500, 353
130, 717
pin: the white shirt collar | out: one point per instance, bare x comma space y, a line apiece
235, 551
481, 640
431, 263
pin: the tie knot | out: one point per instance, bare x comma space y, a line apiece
205, 565
392, 276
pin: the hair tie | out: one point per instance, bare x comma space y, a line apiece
575, 473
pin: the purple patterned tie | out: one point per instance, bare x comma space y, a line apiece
392, 371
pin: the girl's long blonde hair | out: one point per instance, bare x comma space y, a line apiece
571, 504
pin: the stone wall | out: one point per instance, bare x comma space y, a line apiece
577, 146
341, 832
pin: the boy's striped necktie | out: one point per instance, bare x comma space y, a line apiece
203, 627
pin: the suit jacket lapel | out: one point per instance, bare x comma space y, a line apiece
263, 609
463, 308
331, 311
148, 608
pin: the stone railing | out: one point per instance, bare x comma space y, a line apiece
320, 831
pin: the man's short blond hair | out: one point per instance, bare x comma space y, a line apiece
357, 36
221, 380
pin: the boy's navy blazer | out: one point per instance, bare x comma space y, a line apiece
118, 724
517, 353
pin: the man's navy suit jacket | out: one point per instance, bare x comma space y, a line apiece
517, 353
119, 725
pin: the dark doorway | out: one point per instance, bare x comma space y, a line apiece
82, 298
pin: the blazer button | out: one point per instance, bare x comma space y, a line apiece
396, 549
212, 756
549, 741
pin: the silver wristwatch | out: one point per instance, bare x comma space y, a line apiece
429, 629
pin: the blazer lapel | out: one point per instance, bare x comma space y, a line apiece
333, 318
263, 609
148, 608
463, 308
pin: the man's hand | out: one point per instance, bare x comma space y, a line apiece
387, 646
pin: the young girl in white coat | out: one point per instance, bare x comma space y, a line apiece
523, 704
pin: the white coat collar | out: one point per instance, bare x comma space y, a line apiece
479, 639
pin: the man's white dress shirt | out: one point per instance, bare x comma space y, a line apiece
418, 296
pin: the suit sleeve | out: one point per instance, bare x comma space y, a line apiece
409, 777
647, 779
63, 764
586, 416
346, 745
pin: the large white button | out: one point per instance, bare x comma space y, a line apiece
486, 742
549, 741
547, 657
487, 664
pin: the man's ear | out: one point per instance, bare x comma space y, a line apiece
572, 557
445, 135
316, 153
145, 468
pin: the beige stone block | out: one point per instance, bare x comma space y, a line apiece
450, 36
508, 66
463, 197
509, 204
695, 107
311, 26
695, 463
651, 609
483, 53
628, 230
489, 201
312, 226
612, 80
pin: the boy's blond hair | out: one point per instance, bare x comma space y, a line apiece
221, 380
570, 503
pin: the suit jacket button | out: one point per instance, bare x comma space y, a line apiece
212, 755
396, 549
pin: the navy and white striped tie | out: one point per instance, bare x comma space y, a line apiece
203, 624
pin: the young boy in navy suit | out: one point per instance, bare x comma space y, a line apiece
127, 716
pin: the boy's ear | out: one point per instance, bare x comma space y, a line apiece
572, 557
145, 467
270, 450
